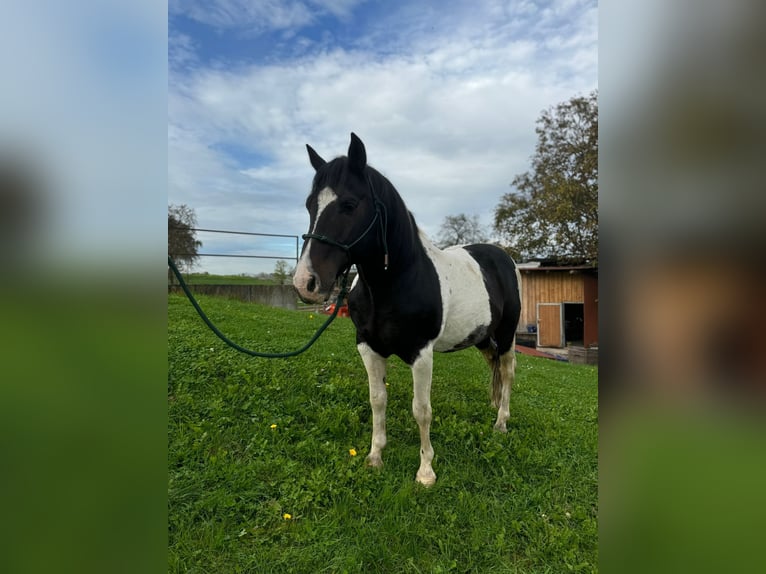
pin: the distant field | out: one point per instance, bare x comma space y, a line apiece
266, 457
204, 279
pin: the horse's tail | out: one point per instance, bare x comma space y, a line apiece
497, 380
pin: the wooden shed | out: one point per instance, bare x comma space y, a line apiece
559, 304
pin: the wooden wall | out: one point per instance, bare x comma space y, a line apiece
590, 311
548, 287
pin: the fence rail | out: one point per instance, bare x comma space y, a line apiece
241, 232
249, 233
232, 255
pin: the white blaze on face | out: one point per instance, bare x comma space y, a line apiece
304, 271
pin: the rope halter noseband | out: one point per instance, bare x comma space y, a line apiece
381, 216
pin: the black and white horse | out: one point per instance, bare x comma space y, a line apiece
409, 298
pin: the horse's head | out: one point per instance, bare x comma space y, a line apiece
342, 215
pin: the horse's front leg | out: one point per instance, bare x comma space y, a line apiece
422, 369
376, 375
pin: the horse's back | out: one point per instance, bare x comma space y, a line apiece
498, 268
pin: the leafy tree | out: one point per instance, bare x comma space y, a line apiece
459, 230
553, 212
282, 272
183, 245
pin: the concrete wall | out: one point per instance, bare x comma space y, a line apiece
273, 295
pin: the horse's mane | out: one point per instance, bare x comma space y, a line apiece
405, 227
330, 174
334, 174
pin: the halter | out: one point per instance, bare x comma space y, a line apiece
381, 215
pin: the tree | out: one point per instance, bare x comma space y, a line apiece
183, 245
460, 230
281, 272
554, 211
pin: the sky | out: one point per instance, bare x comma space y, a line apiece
444, 94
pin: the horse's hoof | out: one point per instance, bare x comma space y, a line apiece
426, 479
373, 461
500, 428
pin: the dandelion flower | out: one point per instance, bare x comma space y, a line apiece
311, 315
287, 516
352, 451
273, 427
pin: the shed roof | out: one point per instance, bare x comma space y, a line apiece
536, 266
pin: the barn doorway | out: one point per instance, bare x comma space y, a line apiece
550, 325
574, 324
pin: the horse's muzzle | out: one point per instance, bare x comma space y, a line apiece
309, 287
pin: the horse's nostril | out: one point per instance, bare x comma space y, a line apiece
312, 284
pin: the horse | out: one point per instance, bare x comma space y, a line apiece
409, 297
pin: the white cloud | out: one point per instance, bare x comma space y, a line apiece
181, 50
259, 15
450, 120
339, 8
242, 13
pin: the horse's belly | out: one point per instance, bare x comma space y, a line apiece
464, 327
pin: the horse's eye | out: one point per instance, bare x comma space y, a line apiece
348, 205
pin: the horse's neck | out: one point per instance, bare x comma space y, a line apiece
407, 246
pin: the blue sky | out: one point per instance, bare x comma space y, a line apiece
444, 94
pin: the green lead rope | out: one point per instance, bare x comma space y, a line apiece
241, 349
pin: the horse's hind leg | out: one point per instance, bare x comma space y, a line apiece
508, 374
503, 374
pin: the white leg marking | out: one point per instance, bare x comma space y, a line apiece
376, 375
422, 370
508, 374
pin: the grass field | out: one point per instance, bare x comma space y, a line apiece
262, 476
207, 279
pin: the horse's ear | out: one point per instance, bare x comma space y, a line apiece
315, 159
357, 156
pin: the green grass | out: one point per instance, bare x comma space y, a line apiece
206, 279
525, 501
